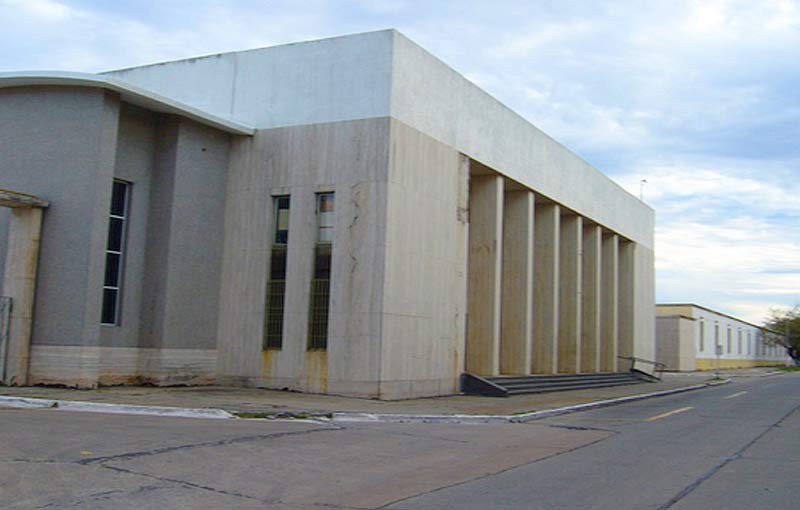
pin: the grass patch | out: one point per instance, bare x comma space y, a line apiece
279, 416
256, 416
789, 369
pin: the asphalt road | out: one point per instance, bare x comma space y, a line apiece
732, 447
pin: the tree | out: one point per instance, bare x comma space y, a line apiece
784, 330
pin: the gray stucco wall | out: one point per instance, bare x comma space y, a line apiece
183, 249
134, 160
66, 145
197, 222
54, 145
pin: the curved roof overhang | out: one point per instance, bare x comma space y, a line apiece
128, 93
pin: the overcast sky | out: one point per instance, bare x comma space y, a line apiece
700, 98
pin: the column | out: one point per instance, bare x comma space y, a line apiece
19, 283
627, 306
590, 304
569, 294
484, 274
517, 292
545, 288
609, 304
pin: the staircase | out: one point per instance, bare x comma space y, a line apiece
504, 386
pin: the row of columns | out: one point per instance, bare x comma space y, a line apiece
549, 292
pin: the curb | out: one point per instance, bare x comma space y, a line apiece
519, 418
96, 407
341, 417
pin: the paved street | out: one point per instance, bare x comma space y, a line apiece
731, 447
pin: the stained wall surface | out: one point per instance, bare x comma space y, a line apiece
351, 160
425, 279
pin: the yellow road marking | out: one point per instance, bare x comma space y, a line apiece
736, 394
670, 413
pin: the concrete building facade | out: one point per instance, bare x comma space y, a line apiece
692, 337
346, 216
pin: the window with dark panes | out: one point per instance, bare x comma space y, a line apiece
115, 253
276, 281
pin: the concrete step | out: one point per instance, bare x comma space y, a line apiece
541, 379
501, 386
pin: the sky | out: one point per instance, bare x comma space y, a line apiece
700, 99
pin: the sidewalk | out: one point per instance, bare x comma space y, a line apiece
273, 403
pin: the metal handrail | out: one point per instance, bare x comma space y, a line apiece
662, 366
657, 365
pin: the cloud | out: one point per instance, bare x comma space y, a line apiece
698, 97
727, 231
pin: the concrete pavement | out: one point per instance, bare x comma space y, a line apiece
52, 459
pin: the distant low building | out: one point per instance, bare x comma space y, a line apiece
690, 337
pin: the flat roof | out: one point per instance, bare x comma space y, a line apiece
128, 92
713, 311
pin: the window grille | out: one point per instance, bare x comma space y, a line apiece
319, 305
276, 284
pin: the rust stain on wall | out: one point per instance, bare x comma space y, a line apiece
317, 371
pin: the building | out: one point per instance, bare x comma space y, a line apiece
346, 216
692, 337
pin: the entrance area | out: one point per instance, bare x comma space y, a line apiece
549, 291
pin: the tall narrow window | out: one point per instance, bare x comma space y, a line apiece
729, 340
717, 345
321, 279
739, 342
115, 251
749, 344
276, 282
702, 335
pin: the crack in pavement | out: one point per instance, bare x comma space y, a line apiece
208, 488
80, 502
100, 462
496, 473
425, 436
188, 484
219, 442
711, 472
37, 461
